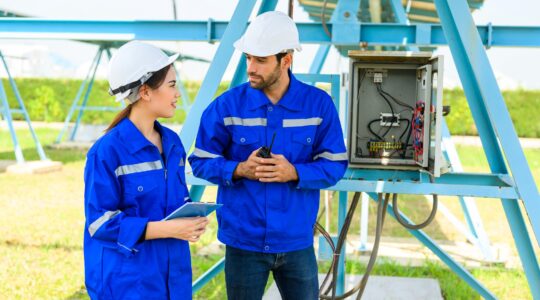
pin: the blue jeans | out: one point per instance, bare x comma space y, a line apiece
295, 273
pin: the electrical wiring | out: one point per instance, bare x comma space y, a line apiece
396, 100
327, 286
323, 19
371, 129
428, 221
379, 88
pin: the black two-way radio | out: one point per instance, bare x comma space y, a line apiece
265, 152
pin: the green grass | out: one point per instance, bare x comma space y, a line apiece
50, 100
42, 219
452, 286
46, 138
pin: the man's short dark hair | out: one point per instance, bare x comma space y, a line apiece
280, 55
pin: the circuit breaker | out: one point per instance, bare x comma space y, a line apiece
395, 110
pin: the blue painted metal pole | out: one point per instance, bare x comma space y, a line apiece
374, 34
399, 12
39, 148
215, 73
342, 212
76, 100
208, 275
449, 261
319, 59
86, 96
491, 117
196, 192
216, 70
425, 188
9, 120
468, 204
184, 96
477, 234
240, 74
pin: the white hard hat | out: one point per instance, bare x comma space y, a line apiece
268, 34
132, 65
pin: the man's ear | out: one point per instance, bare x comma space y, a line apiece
144, 92
286, 61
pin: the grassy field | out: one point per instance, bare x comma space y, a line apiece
42, 219
49, 100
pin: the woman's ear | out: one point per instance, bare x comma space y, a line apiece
144, 92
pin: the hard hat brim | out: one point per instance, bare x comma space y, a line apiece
241, 46
170, 60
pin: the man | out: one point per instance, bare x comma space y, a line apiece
270, 204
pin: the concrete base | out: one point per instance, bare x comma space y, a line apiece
76, 145
4, 164
87, 132
383, 287
35, 167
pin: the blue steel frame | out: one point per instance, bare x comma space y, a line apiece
8, 112
493, 121
475, 233
466, 42
386, 34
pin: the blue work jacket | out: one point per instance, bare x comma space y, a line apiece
128, 184
270, 217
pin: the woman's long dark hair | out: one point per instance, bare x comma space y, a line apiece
153, 82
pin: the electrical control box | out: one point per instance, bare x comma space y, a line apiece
395, 111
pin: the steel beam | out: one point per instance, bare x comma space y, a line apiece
495, 127
75, 102
214, 31
208, 275
437, 250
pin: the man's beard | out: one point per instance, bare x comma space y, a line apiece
266, 82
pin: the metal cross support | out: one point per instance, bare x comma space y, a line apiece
8, 112
495, 128
86, 86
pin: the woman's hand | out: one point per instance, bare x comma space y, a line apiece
189, 229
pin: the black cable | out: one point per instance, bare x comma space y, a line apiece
403, 133
337, 251
389, 104
379, 89
321, 213
371, 130
396, 100
360, 287
323, 19
428, 221
382, 206
381, 215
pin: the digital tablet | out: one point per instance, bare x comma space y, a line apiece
193, 209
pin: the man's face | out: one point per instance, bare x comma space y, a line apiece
263, 72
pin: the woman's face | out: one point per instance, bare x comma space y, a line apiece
163, 99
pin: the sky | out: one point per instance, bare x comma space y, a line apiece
513, 67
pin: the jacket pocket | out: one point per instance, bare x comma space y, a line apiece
244, 141
301, 149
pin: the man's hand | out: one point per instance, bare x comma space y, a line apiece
275, 169
247, 168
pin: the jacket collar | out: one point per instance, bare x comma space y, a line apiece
257, 98
135, 140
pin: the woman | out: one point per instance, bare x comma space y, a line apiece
134, 177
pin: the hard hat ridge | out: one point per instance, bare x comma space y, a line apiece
268, 34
